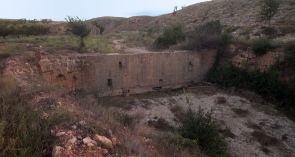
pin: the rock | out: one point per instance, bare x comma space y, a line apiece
89, 142
79, 137
82, 123
104, 140
74, 127
57, 151
72, 141
60, 134
104, 151
115, 141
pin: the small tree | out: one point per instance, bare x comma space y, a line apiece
99, 26
5, 30
79, 28
101, 29
175, 10
268, 9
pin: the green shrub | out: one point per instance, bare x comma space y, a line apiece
266, 84
260, 46
225, 40
171, 36
202, 128
99, 27
207, 36
79, 28
5, 30
23, 29
290, 54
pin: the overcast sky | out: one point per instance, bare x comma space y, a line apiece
86, 9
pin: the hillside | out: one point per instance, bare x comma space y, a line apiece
236, 13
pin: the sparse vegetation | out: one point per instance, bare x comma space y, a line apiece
79, 28
260, 46
22, 29
202, 128
266, 84
290, 53
139, 39
51, 43
206, 36
170, 36
197, 134
23, 132
174, 145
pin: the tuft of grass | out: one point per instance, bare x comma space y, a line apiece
22, 131
99, 44
201, 127
174, 145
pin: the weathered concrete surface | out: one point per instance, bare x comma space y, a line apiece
123, 74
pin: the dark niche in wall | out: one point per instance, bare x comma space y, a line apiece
61, 76
110, 83
75, 78
190, 67
120, 65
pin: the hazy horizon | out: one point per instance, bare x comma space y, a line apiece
59, 9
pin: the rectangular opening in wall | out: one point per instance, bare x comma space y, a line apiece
110, 82
190, 67
120, 65
157, 88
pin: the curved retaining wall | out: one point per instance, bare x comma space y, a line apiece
123, 74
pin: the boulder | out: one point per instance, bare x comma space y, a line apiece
104, 141
89, 142
57, 151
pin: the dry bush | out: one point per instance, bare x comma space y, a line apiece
170, 36
207, 36
22, 131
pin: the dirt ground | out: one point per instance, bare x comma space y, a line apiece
250, 128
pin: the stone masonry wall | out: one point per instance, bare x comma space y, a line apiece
123, 74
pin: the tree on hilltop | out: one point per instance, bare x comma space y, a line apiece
79, 28
268, 9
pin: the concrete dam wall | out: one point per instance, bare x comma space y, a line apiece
124, 74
